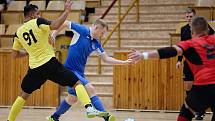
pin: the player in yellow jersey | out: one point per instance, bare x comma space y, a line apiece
33, 36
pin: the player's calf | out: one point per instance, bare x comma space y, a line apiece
185, 114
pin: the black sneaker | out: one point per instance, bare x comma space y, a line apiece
110, 118
199, 117
51, 118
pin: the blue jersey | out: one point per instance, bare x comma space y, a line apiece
81, 46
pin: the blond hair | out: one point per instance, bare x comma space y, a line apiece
101, 22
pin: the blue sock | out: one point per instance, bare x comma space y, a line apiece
97, 103
63, 107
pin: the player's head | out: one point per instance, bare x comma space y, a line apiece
189, 14
31, 11
99, 28
199, 26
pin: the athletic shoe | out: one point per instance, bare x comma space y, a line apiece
199, 117
92, 112
51, 118
110, 118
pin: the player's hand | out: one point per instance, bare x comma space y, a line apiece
52, 40
178, 65
129, 61
67, 6
135, 56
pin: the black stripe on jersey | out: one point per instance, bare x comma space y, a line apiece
15, 36
192, 56
42, 21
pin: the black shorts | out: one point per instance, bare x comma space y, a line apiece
52, 70
201, 97
187, 73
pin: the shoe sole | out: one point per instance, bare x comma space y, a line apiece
112, 118
198, 118
101, 114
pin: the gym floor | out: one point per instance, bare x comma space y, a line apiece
77, 114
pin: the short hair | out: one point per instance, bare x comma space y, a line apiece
101, 22
199, 24
30, 8
190, 10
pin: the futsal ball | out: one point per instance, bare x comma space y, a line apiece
129, 119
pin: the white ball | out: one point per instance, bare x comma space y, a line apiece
130, 119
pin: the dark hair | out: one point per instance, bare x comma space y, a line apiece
30, 8
190, 10
199, 25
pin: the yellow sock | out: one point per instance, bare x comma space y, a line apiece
16, 108
82, 94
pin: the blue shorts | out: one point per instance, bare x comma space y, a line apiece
81, 78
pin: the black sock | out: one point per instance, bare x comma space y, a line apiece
106, 118
87, 105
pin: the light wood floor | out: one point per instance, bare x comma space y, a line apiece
79, 115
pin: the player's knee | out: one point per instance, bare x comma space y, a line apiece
90, 89
25, 95
185, 114
70, 99
77, 83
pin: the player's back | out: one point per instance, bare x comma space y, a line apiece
33, 36
205, 69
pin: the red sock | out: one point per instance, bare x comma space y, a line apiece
181, 118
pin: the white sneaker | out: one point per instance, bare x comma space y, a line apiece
92, 112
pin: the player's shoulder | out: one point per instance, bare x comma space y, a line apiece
40, 21
31, 24
81, 27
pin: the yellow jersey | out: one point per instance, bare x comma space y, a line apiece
33, 36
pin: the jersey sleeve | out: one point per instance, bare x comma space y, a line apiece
184, 45
16, 44
43, 24
77, 27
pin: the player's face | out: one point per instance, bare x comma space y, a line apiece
35, 14
189, 17
100, 31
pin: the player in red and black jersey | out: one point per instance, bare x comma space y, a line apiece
200, 55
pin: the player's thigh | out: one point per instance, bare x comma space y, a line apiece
32, 81
197, 99
211, 97
63, 76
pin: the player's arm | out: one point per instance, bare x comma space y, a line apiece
114, 61
183, 37
60, 20
162, 53
16, 49
63, 26
19, 53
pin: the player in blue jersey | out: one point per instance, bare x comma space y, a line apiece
84, 42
